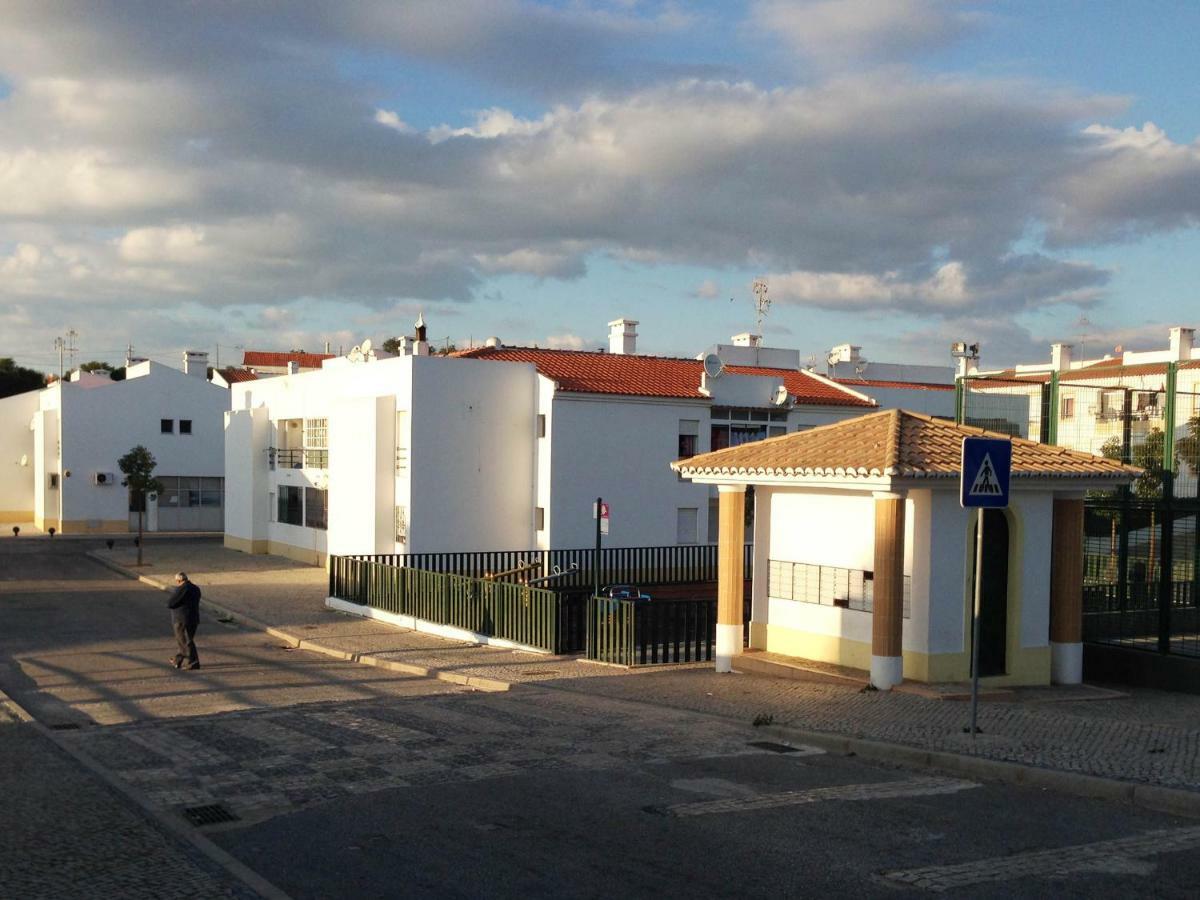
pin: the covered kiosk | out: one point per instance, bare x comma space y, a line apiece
864, 558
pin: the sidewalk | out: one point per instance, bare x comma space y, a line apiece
1133, 736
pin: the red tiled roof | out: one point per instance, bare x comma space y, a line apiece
1104, 368
280, 359
233, 374
650, 376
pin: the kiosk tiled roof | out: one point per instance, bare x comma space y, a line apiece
653, 376
892, 443
233, 374
281, 359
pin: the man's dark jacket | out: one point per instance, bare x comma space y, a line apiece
185, 603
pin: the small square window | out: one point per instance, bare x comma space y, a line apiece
185, 426
166, 426
540, 519
541, 425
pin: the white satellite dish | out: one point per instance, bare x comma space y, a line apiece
781, 395
713, 367
365, 346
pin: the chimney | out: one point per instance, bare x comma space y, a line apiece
746, 339
1060, 357
293, 367
195, 362
622, 337
1181, 343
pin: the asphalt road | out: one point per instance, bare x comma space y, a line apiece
347, 781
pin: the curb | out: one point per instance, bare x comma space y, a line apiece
478, 682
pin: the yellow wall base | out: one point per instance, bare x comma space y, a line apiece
245, 545
16, 515
1028, 666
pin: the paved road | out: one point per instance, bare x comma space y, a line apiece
347, 781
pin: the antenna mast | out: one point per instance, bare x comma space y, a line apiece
762, 302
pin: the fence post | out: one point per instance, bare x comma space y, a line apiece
960, 399
1166, 573
1051, 427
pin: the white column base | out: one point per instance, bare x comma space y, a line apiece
886, 671
729, 645
1066, 663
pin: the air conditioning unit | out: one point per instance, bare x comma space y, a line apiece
105, 478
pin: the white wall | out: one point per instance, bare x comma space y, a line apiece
17, 480
931, 402
621, 449
472, 455
102, 422
246, 442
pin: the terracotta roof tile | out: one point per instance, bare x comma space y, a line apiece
892, 443
652, 376
281, 359
233, 374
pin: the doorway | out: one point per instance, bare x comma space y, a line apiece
993, 599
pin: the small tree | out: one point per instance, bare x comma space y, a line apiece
392, 345
138, 468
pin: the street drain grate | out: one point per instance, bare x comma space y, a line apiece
541, 672
208, 815
65, 726
773, 747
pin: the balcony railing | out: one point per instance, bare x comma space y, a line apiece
295, 458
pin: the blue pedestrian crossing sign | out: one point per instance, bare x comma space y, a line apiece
986, 465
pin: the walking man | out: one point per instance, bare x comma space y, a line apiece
185, 616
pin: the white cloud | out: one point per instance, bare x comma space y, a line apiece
707, 289
564, 342
391, 119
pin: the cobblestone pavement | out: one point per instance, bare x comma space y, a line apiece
1143, 736
267, 762
67, 835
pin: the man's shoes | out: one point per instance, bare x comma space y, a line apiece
175, 662
192, 666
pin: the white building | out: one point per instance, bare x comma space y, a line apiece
918, 388
497, 448
61, 444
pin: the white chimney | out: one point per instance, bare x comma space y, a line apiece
293, 367
746, 339
1060, 357
1181, 343
195, 362
622, 337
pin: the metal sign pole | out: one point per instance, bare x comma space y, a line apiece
975, 623
596, 561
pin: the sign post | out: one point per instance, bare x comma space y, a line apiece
986, 468
600, 514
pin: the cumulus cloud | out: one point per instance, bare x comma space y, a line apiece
152, 152
564, 342
839, 33
706, 289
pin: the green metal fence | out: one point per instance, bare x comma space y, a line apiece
654, 632
525, 615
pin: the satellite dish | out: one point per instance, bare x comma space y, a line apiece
713, 367
781, 395
365, 346
24, 460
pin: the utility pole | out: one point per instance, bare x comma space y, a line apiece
71, 335
60, 345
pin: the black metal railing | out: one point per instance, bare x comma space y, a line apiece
525, 615
654, 632
689, 564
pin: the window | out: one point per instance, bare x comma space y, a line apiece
166, 426
291, 501
316, 508
539, 518
53, 480
1112, 404
689, 438
541, 425
316, 443
686, 524
1066, 408
401, 524
401, 441
185, 426
714, 520
732, 427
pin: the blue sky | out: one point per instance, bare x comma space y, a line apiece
904, 173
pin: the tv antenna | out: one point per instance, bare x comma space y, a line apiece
762, 302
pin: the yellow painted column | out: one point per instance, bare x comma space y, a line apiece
731, 575
1066, 592
887, 618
